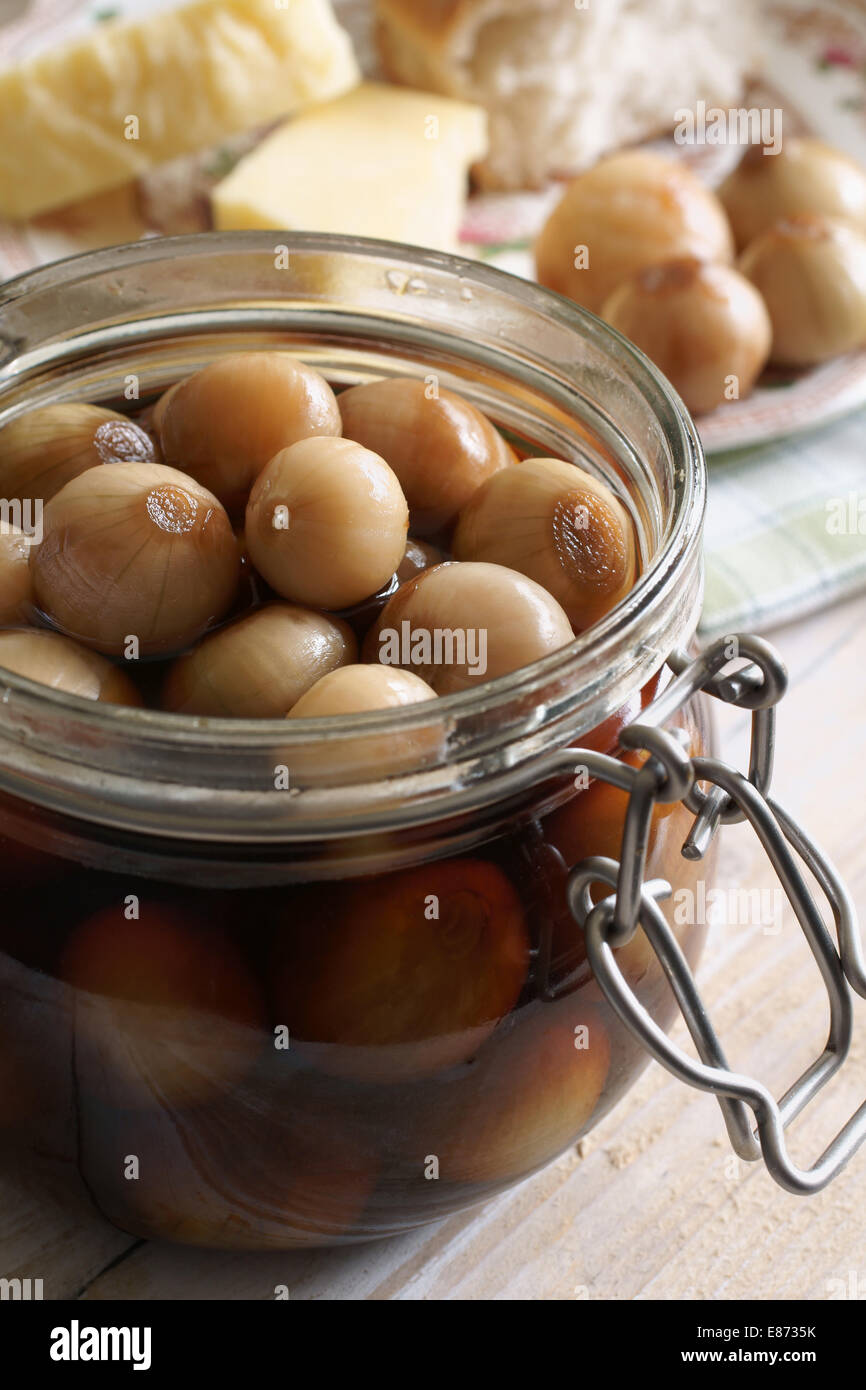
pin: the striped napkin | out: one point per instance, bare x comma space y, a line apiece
786, 528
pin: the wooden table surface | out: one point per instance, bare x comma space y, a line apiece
652, 1206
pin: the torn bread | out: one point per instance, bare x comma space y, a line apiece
563, 84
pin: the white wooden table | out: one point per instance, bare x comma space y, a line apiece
652, 1206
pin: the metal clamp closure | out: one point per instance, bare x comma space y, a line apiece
719, 794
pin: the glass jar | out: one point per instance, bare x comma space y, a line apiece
318, 1013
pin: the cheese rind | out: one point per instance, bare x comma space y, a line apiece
380, 161
93, 114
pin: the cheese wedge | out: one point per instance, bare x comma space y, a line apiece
380, 161
95, 113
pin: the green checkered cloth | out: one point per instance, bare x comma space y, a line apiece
782, 536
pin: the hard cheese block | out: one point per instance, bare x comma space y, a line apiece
97, 112
380, 161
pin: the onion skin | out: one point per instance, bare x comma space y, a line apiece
326, 523
140, 551
631, 210
355, 689
261, 1165
701, 324
811, 273
419, 556
559, 526
16, 583
224, 424
518, 621
364, 689
157, 414
167, 1010
44, 449
440, 446
374, 984
806, 176
258, 666
57, 661
553, 1088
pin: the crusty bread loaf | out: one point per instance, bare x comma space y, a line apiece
563, 84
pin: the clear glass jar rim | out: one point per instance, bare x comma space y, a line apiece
89, 721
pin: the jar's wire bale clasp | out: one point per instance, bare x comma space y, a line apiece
719, 795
